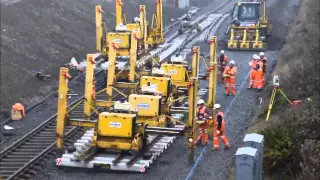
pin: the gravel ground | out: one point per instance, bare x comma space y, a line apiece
239, 111
43, 35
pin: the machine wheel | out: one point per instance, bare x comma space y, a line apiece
71, 149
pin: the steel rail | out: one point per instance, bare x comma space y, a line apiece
42, 133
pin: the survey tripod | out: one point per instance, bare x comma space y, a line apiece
276, 88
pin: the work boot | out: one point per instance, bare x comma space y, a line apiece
227, 146
250, 87
214, 149
227, 94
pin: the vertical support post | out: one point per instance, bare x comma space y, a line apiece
264, 19
213, 72
99, 28
118, 12
89, 85
256, 141
232, 35
133, 55
212, 82
159, 20
143, 26
245, 163
111, 68
193, 91
195, 61
62, 105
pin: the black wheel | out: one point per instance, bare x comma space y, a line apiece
71, 149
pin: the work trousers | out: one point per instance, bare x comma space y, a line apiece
263, 78
216, 137
203, 133
258, 83
220, 72
230, 84
252, 77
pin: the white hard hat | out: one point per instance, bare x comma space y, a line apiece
255, 56
222, 51
200, 101
216, 106
261, 54
232, 62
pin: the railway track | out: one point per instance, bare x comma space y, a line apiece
158, 144
23, 158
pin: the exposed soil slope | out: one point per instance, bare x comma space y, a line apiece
44, 34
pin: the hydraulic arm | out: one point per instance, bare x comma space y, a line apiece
193, 91
119, 20
156, 35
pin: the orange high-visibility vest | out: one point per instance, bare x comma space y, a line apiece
254, 63
19, 107
201, 113
223, 124
232, 71
261, 65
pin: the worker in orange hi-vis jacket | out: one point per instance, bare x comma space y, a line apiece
19, 107
229, 75
219, 130
253, 72
264, 69
202, 119
258, 76
222, 62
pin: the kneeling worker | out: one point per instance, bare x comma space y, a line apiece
219, 130
17, 107
202, 120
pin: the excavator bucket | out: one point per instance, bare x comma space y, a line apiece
247, 39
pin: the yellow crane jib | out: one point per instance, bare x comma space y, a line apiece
156, 36
113, 47
89, 85
62, 105
119, 20
212, 72
99, 29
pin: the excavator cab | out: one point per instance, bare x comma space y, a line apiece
249, 26
246, 14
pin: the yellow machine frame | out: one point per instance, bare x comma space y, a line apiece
122, 141
178, 73
156, 35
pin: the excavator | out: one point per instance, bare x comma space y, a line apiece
250, 26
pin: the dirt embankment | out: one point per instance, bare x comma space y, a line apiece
44, 34
292, 135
